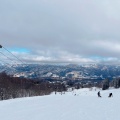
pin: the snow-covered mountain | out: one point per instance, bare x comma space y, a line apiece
80, 104
79, 72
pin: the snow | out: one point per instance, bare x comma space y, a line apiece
85, 105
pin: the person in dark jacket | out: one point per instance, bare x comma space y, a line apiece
99, 94
110, 95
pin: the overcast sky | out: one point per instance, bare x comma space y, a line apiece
81, 31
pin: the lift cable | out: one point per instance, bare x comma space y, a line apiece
4, 62
12, 54
6, 66
8, 57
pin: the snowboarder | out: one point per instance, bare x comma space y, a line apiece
99, 94
110, 95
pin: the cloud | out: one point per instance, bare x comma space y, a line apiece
62, 30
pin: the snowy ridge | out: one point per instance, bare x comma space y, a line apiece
85, 105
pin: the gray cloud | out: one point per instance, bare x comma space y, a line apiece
62, 30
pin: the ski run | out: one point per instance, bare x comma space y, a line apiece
82, 104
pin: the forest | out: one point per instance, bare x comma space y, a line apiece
14, 87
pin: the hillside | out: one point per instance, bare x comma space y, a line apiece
85, 105
79, 72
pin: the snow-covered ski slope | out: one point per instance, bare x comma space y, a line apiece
85, 105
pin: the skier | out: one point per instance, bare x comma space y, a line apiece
110, 95
99, 94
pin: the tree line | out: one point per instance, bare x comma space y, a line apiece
13, 87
